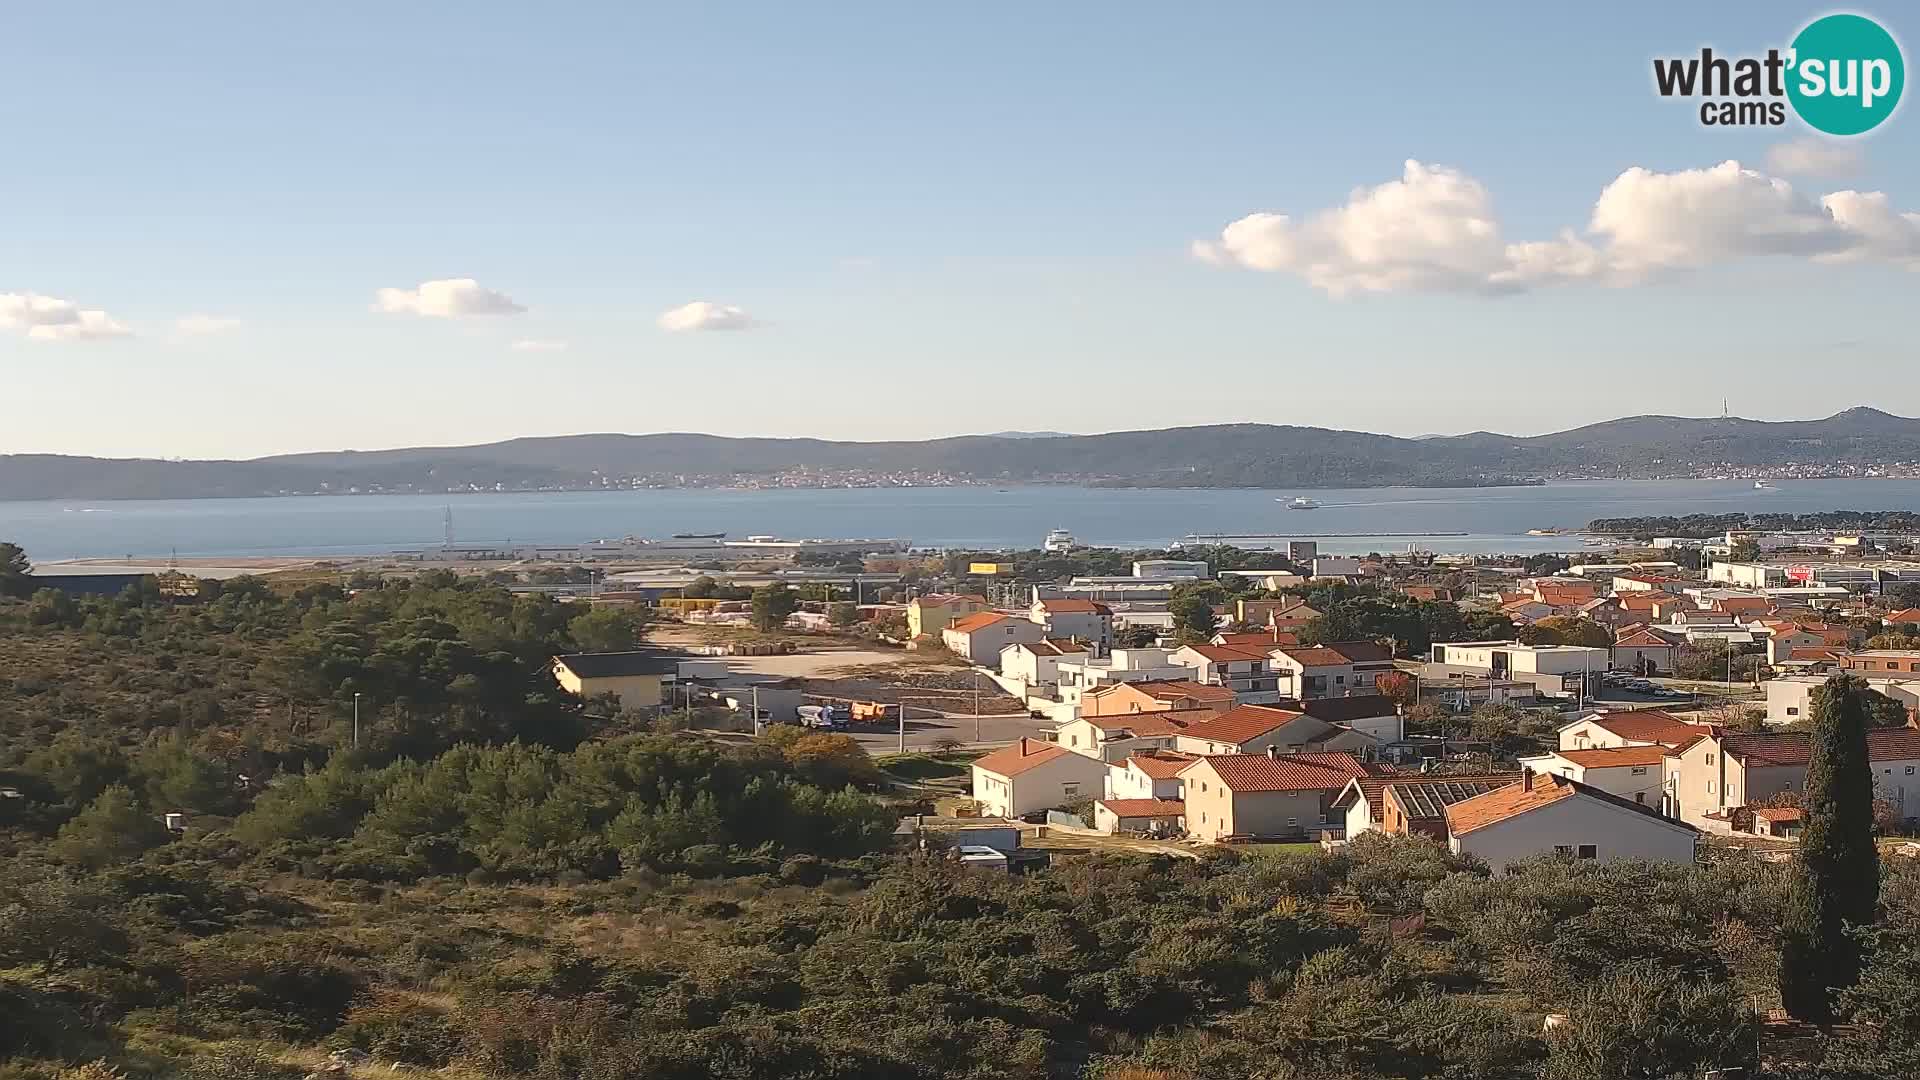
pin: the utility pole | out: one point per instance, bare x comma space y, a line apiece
356, 719
976, 708
903, 727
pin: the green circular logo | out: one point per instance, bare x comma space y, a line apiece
1847, 74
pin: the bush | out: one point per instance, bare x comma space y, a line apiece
113, 828
399, 1028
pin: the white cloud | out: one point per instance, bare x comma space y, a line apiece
1811, 155
704, 315
204, 324
447, 298
1434, 230
538, 345
47, 318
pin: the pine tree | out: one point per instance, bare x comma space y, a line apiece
1836, 880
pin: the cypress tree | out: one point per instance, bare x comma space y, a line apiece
1836, 879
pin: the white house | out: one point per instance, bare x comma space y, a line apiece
980, 637
1147, 774
1635, 773
1037, 663
1112, 738
1641, 727
1253, 729
1082, 620
1032, 775
1123, 665
1244, 670
1151, 816
1335, 669
1545, 814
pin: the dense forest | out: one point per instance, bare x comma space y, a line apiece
502, 882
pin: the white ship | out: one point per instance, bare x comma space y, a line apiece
1301, 502
1059, 540
1763, 485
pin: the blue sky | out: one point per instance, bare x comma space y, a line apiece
909, 222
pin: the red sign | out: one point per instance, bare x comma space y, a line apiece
1802, 574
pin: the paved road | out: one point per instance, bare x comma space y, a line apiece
925, 728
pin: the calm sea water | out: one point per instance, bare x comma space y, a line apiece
1493, 519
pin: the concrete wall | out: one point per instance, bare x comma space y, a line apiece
635, 691
1041, 787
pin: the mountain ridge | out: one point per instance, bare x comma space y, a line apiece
1206, 455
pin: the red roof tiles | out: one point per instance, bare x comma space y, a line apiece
1287, 772
1149, 808
1020, 757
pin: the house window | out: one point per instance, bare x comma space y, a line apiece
1640, 797
1293, 823
1709, 759
1639, 770
1589, 851
1909, 770
1071, 791
1793, 710
1203, 817
1709, 787
1563, 849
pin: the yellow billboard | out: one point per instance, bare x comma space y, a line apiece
989, 569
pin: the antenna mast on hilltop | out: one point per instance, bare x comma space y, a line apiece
1723, 410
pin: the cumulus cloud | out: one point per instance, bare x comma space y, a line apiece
1813, 156
204, 324
1434, 230
47, 318
447, 298
538, 345
704, 315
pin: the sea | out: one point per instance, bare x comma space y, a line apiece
1445, 520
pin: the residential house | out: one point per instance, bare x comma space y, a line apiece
1529, 610
1112, 738
1263, 795
1418, 807
1907, 619
978, 638
1427, 592
1644, 650
1264, 613
1636, 773
928, 615
1609, 612
1250, 729
1255, 639
1155, 695
1868, 661
1245, 671
1089, 621
1740, 608
1335, 669
1037, 663
1553, 668
1623, 583
1121, 666
1372, 715
1790, 697
1033, 775
1776, 822
1148, 774
1546, 814
1153, 817
1718, 773
1640, 727
635, 677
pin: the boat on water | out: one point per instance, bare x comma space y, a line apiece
1058, 540
1763, 485
700, 536
1301, 502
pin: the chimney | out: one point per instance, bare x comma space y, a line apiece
1273, 751
1526, 776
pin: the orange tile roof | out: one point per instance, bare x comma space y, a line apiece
1425, 798
1020, 757
1242, 723
1148, 724
1642, 637
1647, 726
1161, 764
1127, 808
1635, 600
1287, 772
979, 620
1796, 748
1174, 689
1053, 647
1778, 813
1221, 654
1610, 757
1314, 655
1905, 615
1543, 789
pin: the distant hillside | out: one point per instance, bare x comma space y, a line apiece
1223, 455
